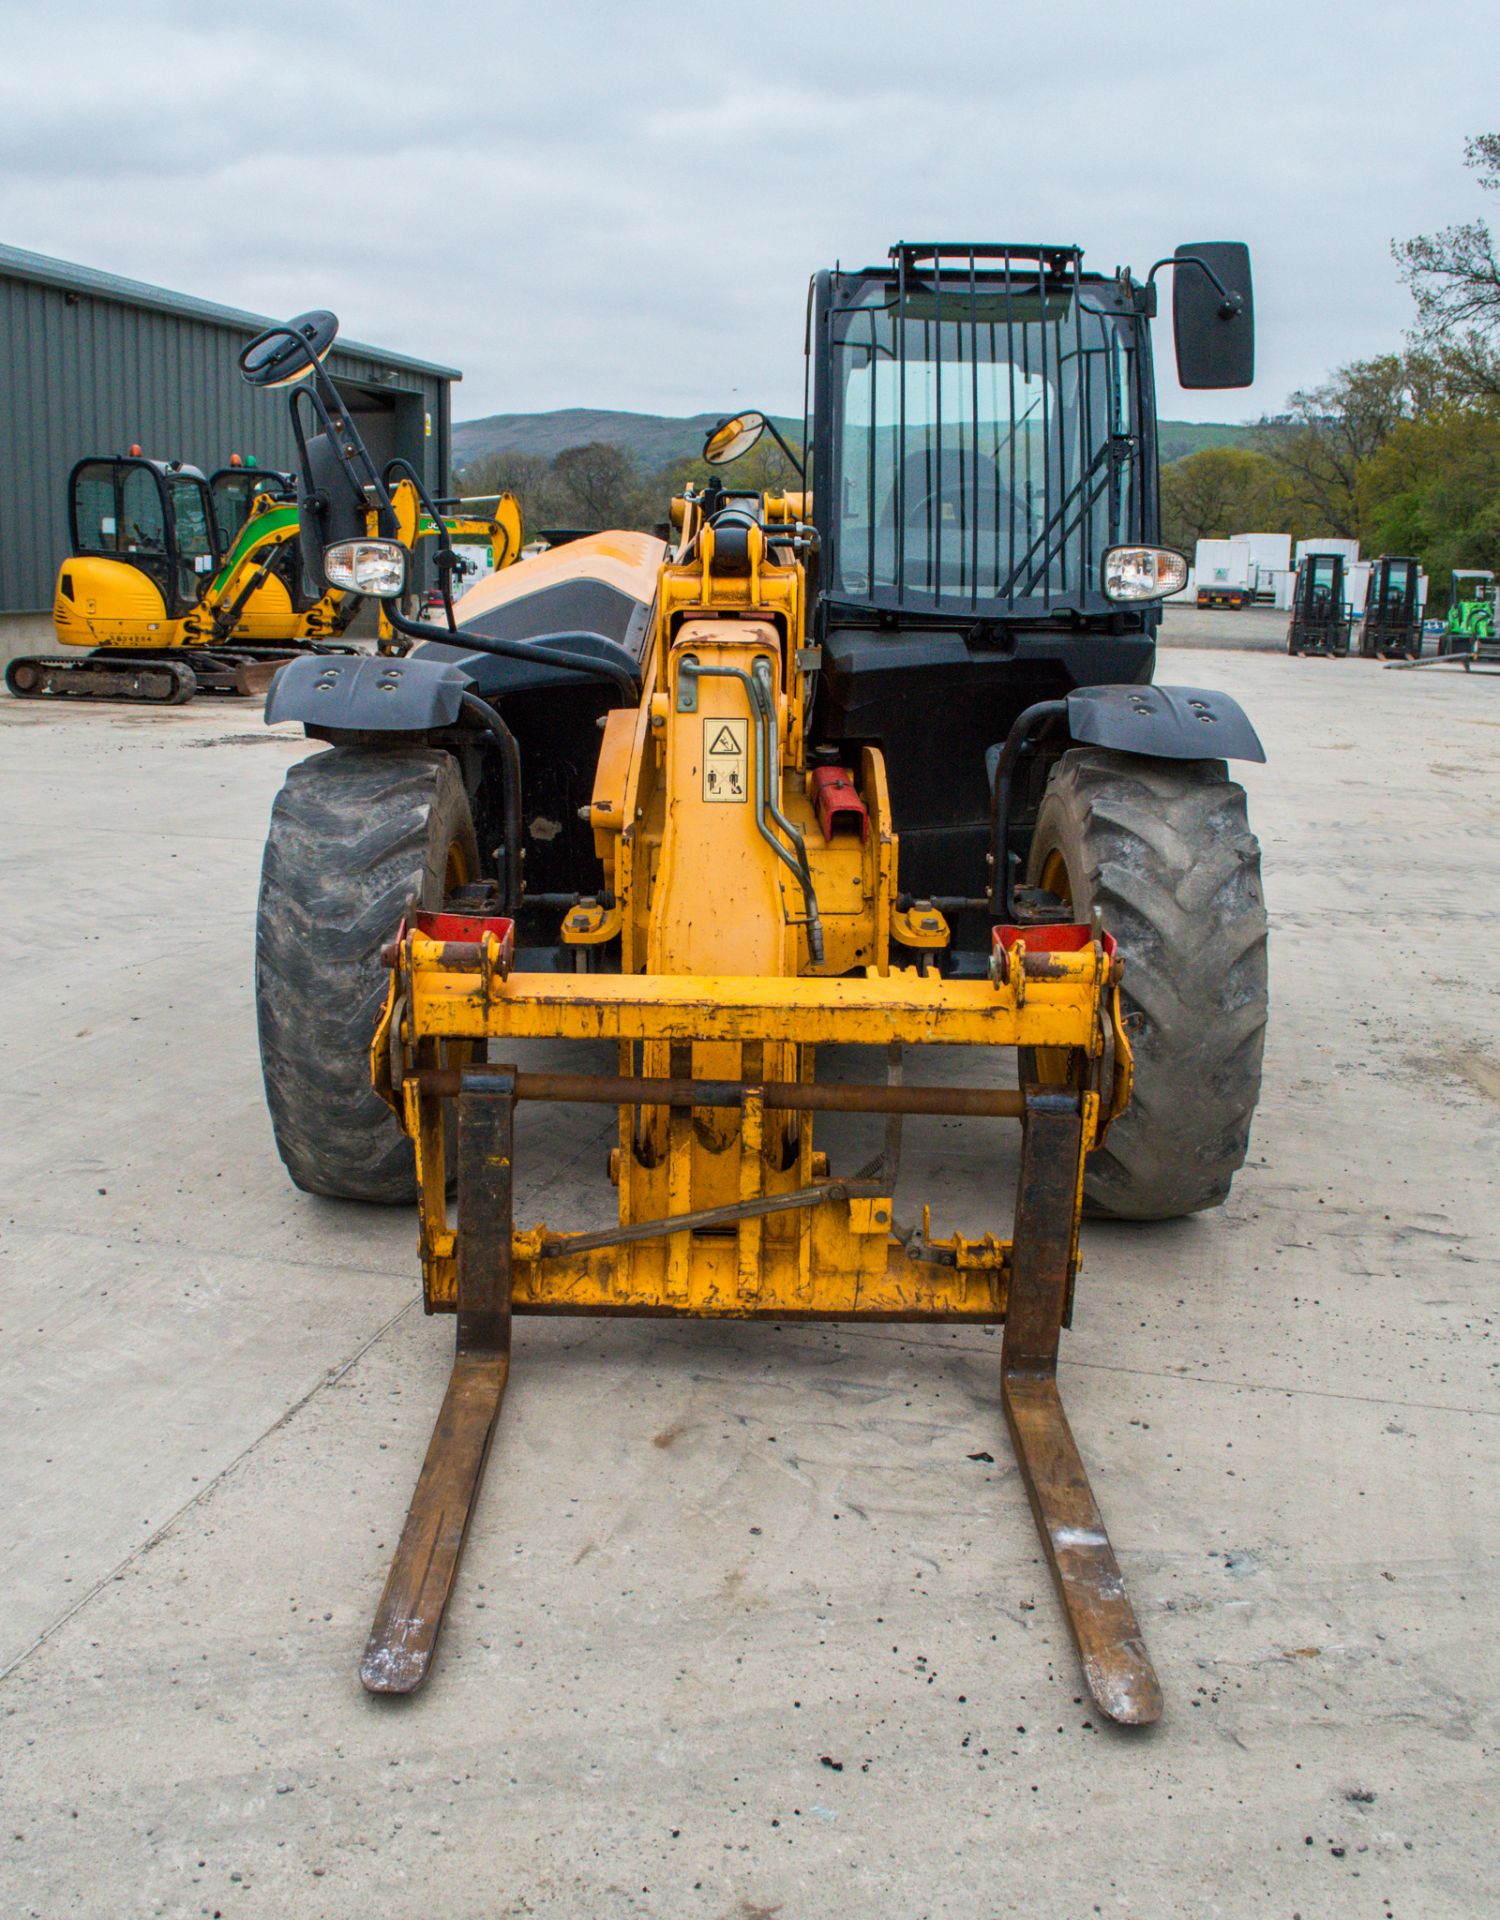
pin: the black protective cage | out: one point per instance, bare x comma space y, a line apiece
1015, 530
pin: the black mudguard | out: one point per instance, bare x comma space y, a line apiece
1168, 723
367, 694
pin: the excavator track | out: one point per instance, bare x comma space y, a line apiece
156, 679
150, 679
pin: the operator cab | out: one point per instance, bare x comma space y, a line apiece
156, 515
236, 491
983, 445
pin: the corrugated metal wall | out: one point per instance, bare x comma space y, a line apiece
82, 375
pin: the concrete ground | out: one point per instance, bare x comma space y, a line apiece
750, 1623
1252, 629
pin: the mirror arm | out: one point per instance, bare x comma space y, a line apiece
775, 433
446, 560
1230, 304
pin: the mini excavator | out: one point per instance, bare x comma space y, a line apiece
179, 583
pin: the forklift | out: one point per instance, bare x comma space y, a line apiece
1391, 625
1321, 621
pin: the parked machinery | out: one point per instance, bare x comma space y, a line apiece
1391, 625
177, 584
161, 600
1471, 611
1321, 619
877, 760
1469, 639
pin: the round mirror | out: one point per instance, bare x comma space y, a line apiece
281, 355
731, 438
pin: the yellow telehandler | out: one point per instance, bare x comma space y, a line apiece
877, 760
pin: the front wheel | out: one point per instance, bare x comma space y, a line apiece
357, 834
1164, 851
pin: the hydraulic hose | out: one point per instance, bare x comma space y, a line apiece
767, 758
1027, 726
514, 889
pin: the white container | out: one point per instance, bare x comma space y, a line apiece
1224, 563
1328, 544
1271, 552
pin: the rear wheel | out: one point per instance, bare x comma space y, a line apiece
357, 835
1163, 850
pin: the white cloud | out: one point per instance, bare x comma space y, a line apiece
620, 205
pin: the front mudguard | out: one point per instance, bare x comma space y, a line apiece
367, 693
1167, 723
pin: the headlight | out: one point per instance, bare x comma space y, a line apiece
376, 567
1143, 573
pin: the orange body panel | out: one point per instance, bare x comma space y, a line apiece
628, 561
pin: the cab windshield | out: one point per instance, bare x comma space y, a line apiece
986, 444
235, 491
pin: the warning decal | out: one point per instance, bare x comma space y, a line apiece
726, 759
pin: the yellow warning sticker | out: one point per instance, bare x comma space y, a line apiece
726, 759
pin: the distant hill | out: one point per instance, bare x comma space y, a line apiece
653, 440
657, 440
1178, 438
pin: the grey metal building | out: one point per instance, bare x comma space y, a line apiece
90, 363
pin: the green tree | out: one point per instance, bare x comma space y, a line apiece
1433, 490
603, 487
1319, 445
590, 488
1219, 491
764, 469
1454, 276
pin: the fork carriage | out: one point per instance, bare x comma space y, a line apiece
727, 1209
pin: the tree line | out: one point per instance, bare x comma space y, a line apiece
1400, 452
586, 489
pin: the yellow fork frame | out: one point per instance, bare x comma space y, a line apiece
796, 1243
818, 1249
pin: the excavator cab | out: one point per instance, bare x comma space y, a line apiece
237, 489
155, 516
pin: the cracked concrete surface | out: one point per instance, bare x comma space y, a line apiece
752, 1621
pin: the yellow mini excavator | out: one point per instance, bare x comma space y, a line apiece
878, 760
178, 583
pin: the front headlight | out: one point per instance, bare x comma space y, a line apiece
1143, 573
376, 567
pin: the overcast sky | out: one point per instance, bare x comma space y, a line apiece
619, 205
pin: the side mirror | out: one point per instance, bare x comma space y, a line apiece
339, 483
281, 355
733, 438
1213, 314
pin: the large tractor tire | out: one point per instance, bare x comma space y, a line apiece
356, 835
1163, 850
